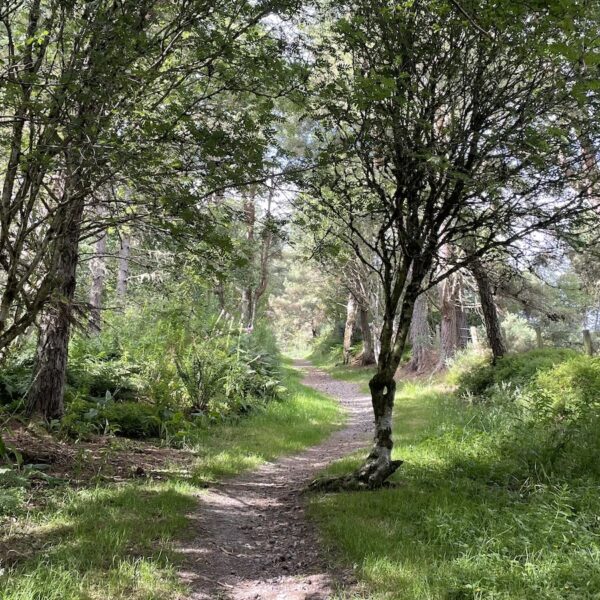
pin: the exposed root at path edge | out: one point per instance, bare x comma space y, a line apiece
361, 480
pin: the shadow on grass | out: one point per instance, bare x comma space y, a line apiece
454, 528
105, 542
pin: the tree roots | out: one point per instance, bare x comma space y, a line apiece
371, 476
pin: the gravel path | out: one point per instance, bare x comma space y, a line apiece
251, 538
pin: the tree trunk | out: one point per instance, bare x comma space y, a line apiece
368, 353
123, 273
248, 307
98, 271
420, 336
462, 325
539, 340
46, 394
449, 327
490, 314
588, 345
379, 465
349, 328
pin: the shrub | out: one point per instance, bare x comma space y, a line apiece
520, 336
15, 377
513, 369
128, 419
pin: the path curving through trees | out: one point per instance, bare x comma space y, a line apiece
251, 539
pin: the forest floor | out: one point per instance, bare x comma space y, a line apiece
104, 518
252, 540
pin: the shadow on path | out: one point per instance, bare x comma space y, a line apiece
251, 539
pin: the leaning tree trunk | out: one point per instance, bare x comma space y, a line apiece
490, 314
368, 353
420, 336
46, 394
98, 271
349, 328
123, 272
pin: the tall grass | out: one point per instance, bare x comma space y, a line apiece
475, 515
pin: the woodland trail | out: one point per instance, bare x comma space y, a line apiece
251, 538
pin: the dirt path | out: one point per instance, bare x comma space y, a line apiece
251, 539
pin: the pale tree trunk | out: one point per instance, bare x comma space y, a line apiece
368, 353
248, 301
420, 336
462, 323
450, 323
123, 271
379, 465
46, 394
490, 314
252, 294
351, 309
98, 272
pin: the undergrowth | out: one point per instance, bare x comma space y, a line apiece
117, 541
498, 497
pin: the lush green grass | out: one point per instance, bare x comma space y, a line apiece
467, 520
116, 542
331, 365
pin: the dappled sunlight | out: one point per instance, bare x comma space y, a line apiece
115, 540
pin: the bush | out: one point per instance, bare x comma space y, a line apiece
15, 377
127, 419
520, 336
478, 378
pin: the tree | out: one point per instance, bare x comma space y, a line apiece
137, 94
433, 132
488, 308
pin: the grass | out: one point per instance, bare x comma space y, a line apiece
344, 372
117, 541
283, 428
463, 523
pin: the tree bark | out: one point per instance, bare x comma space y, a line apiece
490, 314
368, 353
420, 336
123, 272
98, 271
46, 394
449, 326
349, 328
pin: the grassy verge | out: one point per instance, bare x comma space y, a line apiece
344, 372
463, 522
116, 541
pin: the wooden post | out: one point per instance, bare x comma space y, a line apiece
588, 345
538, 336
475, 338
